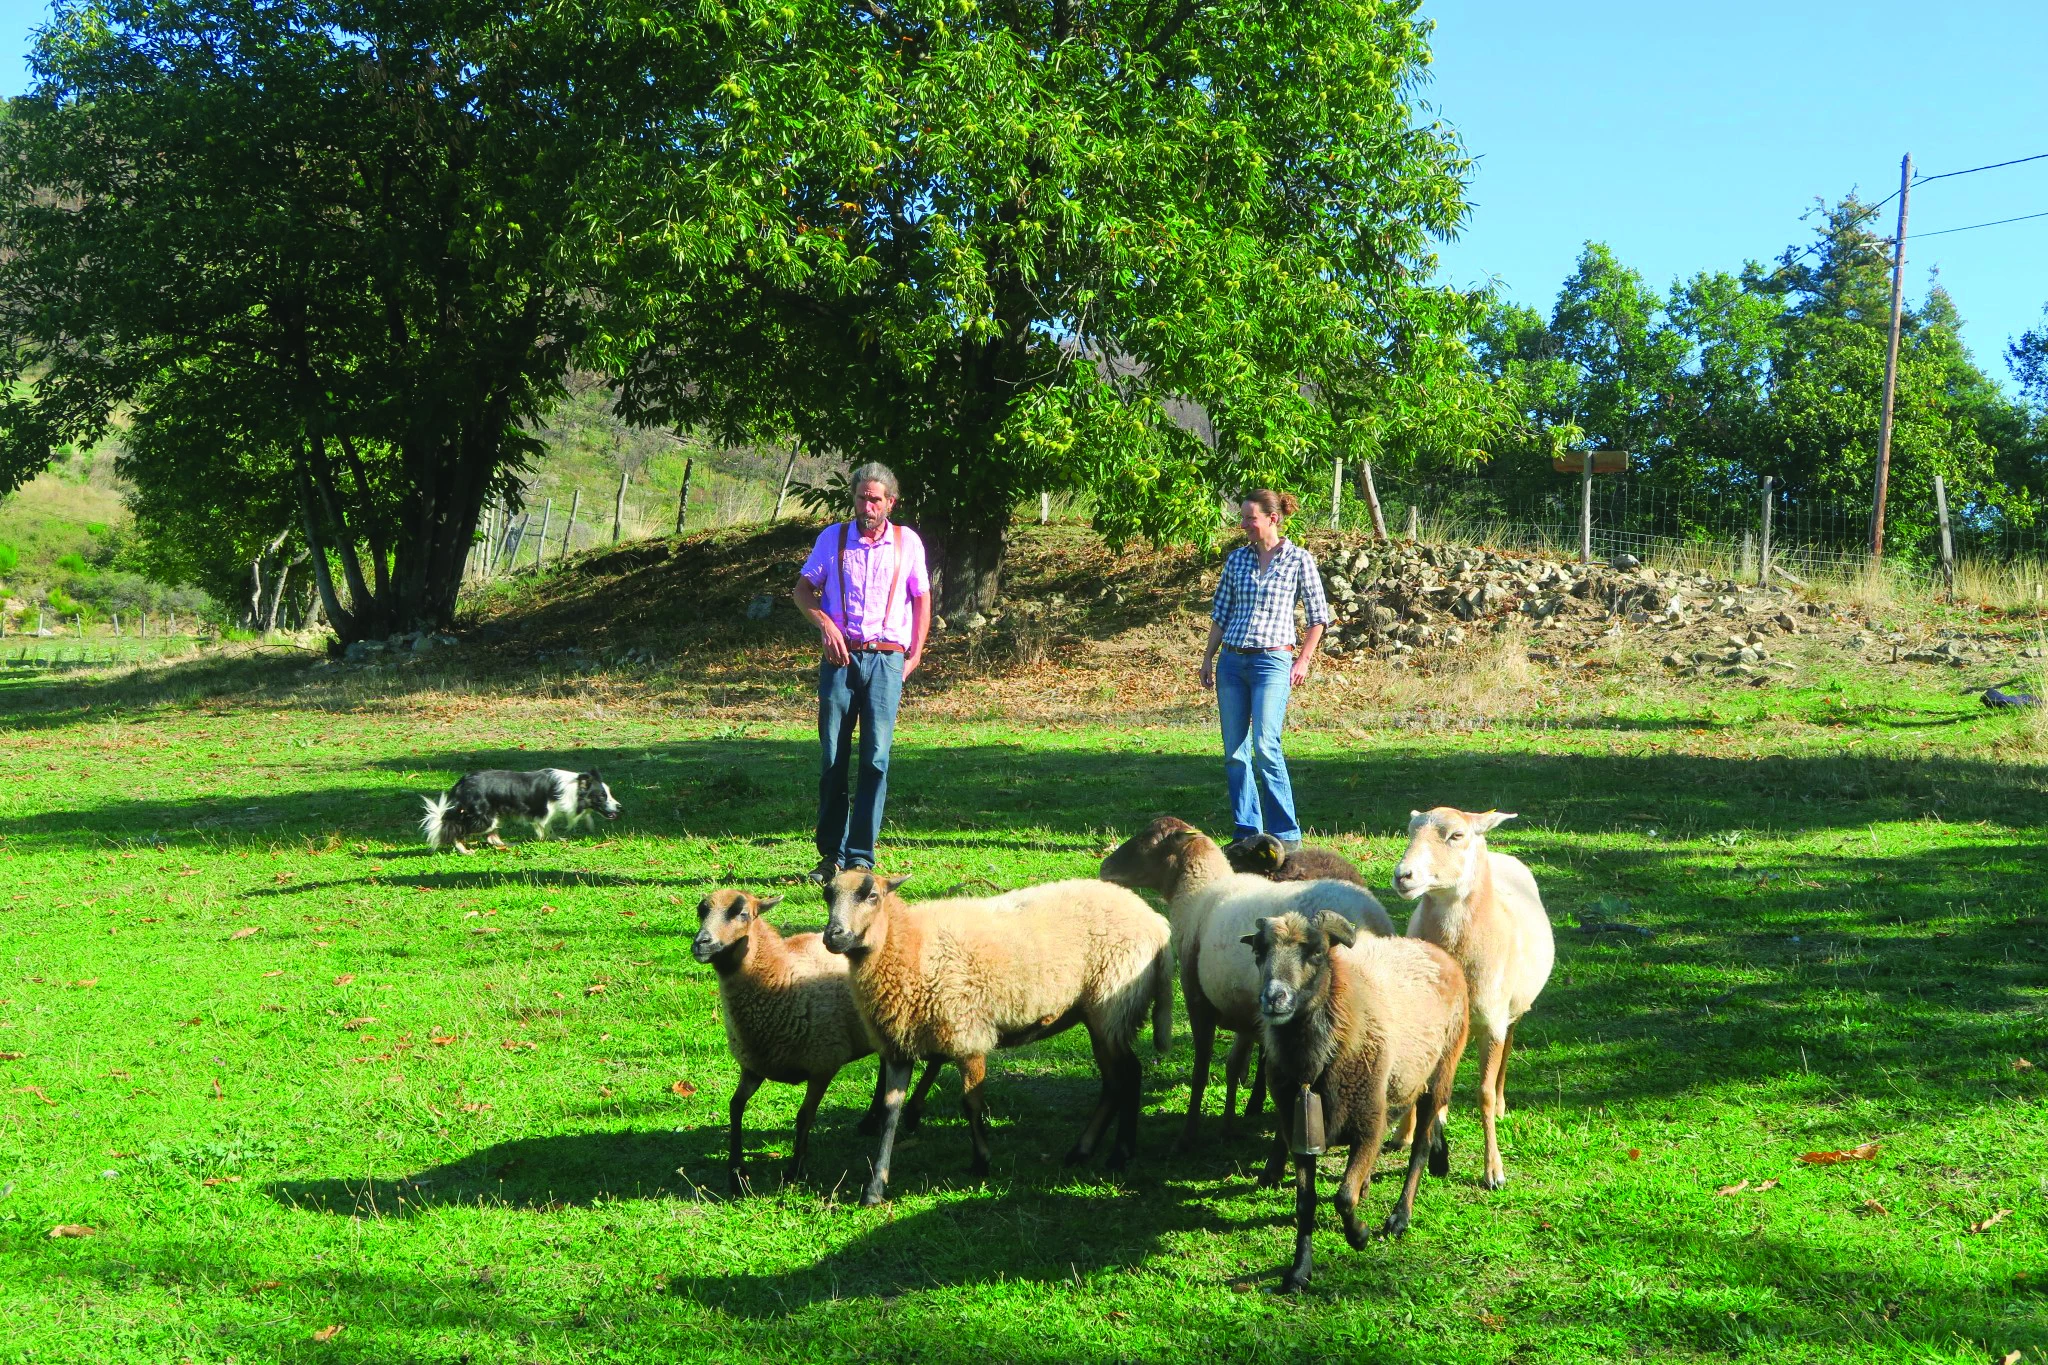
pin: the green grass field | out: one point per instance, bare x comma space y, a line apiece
297, 1074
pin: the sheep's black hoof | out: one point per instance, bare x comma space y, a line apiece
870, 1124
1396, 1224
1269, 1177
1075, 1157
792, 1173
1356, 1235
977, 1169
1293, 1282
910, 1121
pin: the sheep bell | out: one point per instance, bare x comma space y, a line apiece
1308, 1123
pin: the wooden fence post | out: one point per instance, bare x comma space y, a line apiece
619, 509
1948, 549
540, 546
788, 469
1414, 522
1586, 511
1371, 493
1763, 563
569, 531
1336, 491
1044, 508
683, 498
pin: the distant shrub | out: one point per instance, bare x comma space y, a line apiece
73, 563
9, 558
62, 602
95, 528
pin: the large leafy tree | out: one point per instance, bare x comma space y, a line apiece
317, 251
1004, 246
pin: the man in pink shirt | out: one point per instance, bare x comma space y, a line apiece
866, 588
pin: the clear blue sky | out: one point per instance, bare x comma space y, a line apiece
1692, 137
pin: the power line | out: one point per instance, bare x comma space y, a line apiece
1996, 222
1996, 165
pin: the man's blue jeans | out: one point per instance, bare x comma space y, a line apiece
1251, 698
866, 691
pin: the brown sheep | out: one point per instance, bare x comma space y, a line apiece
1483, 909
960, 978
1267, 857
1361, 1025
1212, 908
789, 1016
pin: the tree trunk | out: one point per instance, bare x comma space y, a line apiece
966, 564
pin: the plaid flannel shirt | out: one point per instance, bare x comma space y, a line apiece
1257, 611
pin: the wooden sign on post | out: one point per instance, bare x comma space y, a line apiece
1604, 462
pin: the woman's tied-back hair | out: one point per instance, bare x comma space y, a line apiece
1279, 506
872, 472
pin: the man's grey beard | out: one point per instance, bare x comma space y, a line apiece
869, 525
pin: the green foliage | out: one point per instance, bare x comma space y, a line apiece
1010, 249
9, 558
318, 251
72, 563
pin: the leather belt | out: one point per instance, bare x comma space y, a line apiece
874, 647
1260, 649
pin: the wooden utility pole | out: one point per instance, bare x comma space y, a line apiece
1948, 548
575, 497
1763, 563
619, 509
1891, 365
540, 546
1586, 511
683, 498
1371, 493
788, 469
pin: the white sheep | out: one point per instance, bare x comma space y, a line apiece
1212, 909
789, 1015
1483, 909
960, 978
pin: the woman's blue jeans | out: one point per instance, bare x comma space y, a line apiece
1251, 698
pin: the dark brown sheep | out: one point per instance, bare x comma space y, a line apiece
1267, 857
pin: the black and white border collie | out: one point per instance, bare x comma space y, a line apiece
473, 807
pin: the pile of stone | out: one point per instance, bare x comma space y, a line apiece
409, 642
1397, 601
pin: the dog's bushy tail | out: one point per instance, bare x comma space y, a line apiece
434, 823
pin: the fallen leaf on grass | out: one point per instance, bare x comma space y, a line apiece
87, 984
246, 931
1863, 1153
267, 1284
1993, 1221
195, 1021
487, 929
278, 972
1872, 1209
37, 1091
218, 1093
595, 988
442, 1039
222, 1180
327, 1333
1635, 1154
683, 1088
630, 962
1736, 1188
1767, 1185
2022, 1064
117, 1075
281, 878
12, 1056
476, 1106
344, 978
517, 1044
72, 1230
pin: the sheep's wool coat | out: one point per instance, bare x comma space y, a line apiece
962, 977
1396, 1005
1507, 953
1212, 920
789, 1010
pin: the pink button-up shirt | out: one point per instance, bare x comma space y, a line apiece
870, 568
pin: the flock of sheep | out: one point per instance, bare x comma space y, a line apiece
1288, 951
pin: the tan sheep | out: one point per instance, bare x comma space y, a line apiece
960, 978
1212, 909
789, 1016
1362, 1025
1483, 909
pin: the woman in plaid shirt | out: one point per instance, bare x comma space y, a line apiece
1253, 624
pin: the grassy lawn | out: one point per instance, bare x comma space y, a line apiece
296, 1073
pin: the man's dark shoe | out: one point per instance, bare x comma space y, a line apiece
824, 872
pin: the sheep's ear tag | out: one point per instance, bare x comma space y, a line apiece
1308, 1123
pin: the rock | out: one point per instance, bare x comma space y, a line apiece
424, 644
1675, 660
1783, 620
974, 621
1626, 562
760, 605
